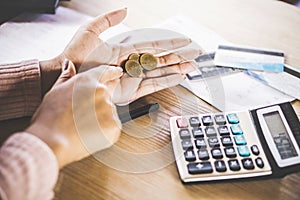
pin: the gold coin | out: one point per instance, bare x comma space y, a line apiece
148, 61
134, 56
133, 68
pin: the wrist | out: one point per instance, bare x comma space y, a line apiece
50, 71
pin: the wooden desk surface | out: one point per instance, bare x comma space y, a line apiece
265, 23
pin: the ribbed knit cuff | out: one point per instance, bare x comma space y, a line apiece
20, 89
28, 168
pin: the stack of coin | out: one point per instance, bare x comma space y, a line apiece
136, 63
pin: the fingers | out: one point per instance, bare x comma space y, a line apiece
180, 68
68, 71
152, 85
103, 22
178, 57
153, 46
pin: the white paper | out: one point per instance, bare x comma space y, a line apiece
43, 36
232, 92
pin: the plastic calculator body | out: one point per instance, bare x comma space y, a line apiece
237, 145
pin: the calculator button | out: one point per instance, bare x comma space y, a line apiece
194, 121
216, 153
223, 130
213, 142
189, 155
203, 154
210, 131
197, 132
243, 151
220, 166
232, 118
240, 140
234, 165
200, 143
255, 150
236, 129
200, 168
220, 119
259, 162
226, 141
187, 144
182, 123
207, 120
185, 134
248, 163
230, 152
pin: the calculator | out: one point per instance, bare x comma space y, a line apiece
258, 143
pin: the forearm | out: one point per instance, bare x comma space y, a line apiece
20, 89
28, 168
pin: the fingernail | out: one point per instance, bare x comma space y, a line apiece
66, 64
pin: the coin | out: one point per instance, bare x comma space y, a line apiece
148, 61
133, 68
134, 56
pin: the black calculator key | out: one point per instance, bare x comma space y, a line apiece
207, 120
220, 119
200, 143
187, 144
248, 163
255, 150
234, 165
203, 154
220, 166
223, 130
200, 168
194, 121
259, 162
185, 134
198, 133
210, 131
213, 142
190, 155
230, 152
226, 141
216, 153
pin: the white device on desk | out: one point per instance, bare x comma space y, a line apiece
257, 143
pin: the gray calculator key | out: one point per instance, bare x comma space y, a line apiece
203, 154
220, 166
220, 119
194, 121
213, 142
198, 133
185, 134
207, 120
190, 155
187, 144
200, 143
200, 168
210, 131
226, 141
223, 130
234, 165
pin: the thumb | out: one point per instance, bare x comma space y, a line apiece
106, 73
68, 71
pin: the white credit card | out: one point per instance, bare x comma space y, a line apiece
249, 58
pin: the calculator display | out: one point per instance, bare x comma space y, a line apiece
280, 136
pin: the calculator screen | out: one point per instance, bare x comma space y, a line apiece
280, 136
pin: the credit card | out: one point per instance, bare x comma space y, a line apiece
249, 58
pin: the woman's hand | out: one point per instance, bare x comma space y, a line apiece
172, 69
77, 116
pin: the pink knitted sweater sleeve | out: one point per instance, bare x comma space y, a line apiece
20, 89
28, 168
